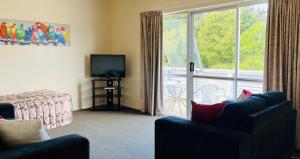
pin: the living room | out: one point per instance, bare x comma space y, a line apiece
199, 79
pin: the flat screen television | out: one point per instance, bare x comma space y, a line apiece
107, 65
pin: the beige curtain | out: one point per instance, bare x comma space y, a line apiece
283, 52
151, 62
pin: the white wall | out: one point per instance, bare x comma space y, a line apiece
64, 69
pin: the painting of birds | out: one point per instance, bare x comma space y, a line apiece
41, 36
65, 33
44, 29
59, 37
33, 33
3, 33
12, 30
51, 33
20, 33
8, 33
29, 32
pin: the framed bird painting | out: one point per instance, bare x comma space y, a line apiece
15, 32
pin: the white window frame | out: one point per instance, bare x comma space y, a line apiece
190, 39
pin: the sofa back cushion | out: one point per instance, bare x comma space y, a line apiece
235, 113
245, 94
271, 98
206, 113
15, 133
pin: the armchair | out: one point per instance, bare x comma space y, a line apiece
65, 147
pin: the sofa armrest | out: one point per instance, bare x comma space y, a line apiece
7, 111
180, 138
273, 128
65, 147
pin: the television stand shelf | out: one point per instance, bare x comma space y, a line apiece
111, 92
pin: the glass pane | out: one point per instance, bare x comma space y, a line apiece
254, 87
175, 43
175, 96
215, 43
252, 43
210, 91
174, 64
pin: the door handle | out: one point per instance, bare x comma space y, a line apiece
192, 66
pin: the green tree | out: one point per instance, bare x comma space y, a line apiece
253, 36
215, 35
215, 38
175, 40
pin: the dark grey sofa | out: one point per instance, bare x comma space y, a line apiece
65, 147
261, 127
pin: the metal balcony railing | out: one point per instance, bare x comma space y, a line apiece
210, 86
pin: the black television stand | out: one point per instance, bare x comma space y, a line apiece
111, 92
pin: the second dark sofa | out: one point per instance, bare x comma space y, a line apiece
260, 127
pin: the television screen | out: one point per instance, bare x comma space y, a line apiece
107, 65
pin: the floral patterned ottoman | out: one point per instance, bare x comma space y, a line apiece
52, 108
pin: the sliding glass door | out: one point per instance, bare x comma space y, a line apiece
175, 33
214, 52
220, 54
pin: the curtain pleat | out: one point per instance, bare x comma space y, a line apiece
151, 62
282, 66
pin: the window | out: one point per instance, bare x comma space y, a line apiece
226, 46
229, 47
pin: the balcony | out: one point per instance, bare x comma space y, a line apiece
209, 86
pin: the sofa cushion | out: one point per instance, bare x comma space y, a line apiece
234, 113
245, 94
271, 98
15, 133
206, 113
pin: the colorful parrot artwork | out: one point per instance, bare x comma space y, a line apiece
3, 33
59, 37
65, 33
3, 30
34, 33
28, 35
12, 29
21, 32
43, 28
41, 36
8, 32
51, 33
11, 32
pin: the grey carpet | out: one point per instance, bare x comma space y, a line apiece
113, 135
